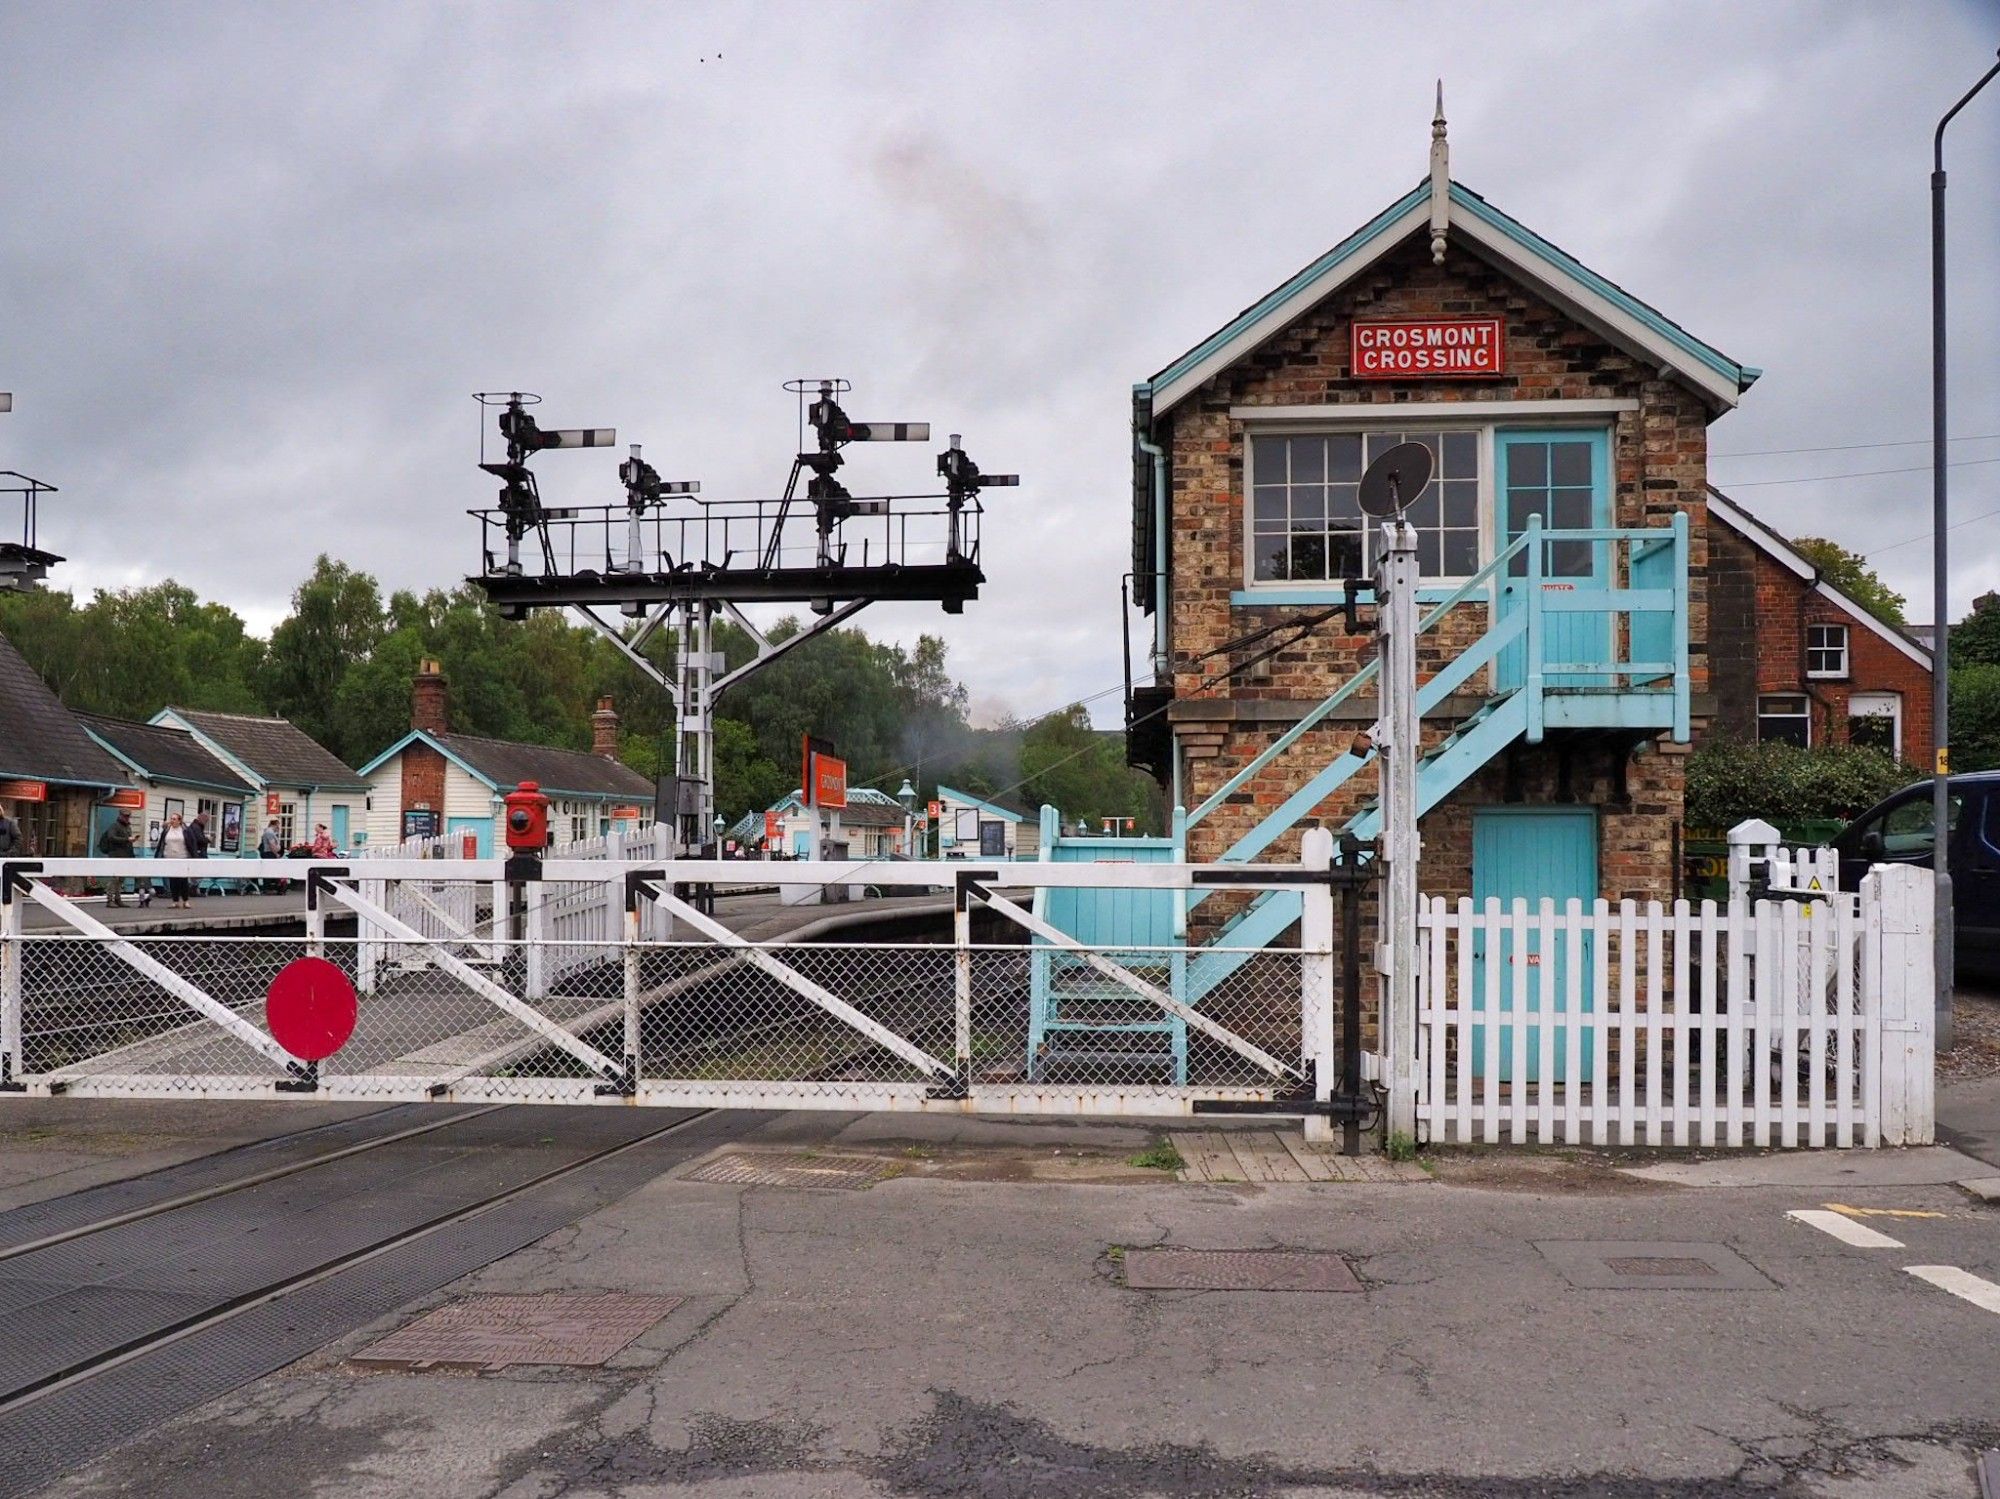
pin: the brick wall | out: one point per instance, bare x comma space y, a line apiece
1775, 635
1733, 583
1659, 466
423, 780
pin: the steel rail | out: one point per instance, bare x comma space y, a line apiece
234, 1306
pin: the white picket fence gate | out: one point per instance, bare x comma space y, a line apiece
1788, 1022
471, 920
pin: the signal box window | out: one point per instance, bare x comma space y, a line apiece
1306, 524
1783, 718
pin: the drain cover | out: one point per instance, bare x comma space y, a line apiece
1660, 1265
491, 1332
1236, 1270
1628, 1265
801, 1168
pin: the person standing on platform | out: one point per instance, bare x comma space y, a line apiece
173, 844
115, 842
197, 842
272, 846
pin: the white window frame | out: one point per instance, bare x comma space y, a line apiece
1486, 420
1891, 703
1846, 648
1805, 713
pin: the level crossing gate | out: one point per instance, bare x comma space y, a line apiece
610, 983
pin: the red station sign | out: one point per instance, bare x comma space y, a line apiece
1429, 348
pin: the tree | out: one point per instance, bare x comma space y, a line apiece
1975, 714
336, 620
1068, 765
1976, 638
1851, 574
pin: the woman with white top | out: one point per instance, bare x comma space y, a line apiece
173, 844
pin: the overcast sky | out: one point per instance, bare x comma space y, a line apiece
254, 258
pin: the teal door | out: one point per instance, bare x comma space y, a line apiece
481, 827
1565, 478
339, 828
1528, 853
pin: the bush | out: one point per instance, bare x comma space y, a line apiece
1781, 783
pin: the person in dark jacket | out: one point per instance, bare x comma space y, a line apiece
197, 842
10, 834
115, 842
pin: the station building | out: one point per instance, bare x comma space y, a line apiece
294, 777
433, 782
173, 772
1561, 679
53, 775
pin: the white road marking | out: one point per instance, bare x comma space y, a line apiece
1961, 1283
1845, 1229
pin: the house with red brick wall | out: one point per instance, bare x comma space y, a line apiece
1795, 659
433, 782
1562, 544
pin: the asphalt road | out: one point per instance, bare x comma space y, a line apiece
967, 1331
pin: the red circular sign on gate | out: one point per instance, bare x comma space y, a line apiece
310, 1009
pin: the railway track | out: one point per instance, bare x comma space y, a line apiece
129, 1304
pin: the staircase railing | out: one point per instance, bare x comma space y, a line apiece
1654, 603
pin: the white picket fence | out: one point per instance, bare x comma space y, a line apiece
470, 918
1786, 1022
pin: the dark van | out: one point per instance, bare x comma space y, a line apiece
1900, 830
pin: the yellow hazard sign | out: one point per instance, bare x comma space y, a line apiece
1944, 760
1814, 884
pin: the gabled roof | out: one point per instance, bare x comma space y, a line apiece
946, 794
40, 739
163, 754
1789, 557
1495, 236
275, 751
503, 764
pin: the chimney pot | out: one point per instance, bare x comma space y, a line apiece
427, 698
604, 730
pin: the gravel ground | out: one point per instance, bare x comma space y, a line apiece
1976, 1021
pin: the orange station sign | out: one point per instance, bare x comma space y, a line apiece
24, 791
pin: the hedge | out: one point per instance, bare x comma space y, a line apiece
1782, 783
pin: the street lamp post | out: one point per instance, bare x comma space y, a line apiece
1940, 611
906, 794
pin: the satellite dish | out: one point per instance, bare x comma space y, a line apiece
1394, 480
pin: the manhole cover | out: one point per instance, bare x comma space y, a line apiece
1660, 1265
1650, 1265
1236, 1270
801, 1168
491, 1332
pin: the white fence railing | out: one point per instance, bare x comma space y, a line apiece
1787, 1022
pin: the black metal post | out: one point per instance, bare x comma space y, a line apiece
1350, 1012
1940, 585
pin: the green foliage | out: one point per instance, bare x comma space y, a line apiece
131, 652
1400, 1147
1975, 640
1851, 574
1975, 713
1159, 1156
1067, 764
1782, 783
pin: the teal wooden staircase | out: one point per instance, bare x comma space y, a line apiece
1536, 630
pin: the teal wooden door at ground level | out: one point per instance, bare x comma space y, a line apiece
480, 827
1531, 853
339, 828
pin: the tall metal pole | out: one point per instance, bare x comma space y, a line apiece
1940, 584
1397, 738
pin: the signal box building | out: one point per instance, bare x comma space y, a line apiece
1562, 543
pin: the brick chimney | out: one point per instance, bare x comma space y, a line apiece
427, 698
604, 730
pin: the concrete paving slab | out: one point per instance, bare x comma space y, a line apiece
1969, 1117
1985, 1188
1918, 1166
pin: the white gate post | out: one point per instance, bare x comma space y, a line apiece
1751, 845
12, 965
961, 941
632, 982
1397, 736
1317, 1005
1896, 914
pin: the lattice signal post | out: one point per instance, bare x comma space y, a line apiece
23, 564
669, 553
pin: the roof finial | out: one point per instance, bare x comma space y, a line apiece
1440, 180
